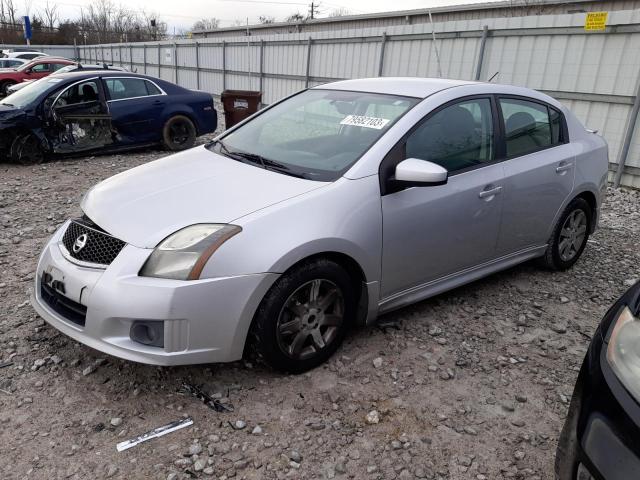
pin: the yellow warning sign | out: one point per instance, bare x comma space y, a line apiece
596, 21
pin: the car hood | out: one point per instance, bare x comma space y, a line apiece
144, 205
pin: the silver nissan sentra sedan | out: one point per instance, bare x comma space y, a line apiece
324, 210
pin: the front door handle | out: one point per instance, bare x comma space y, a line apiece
563, 167
490, 192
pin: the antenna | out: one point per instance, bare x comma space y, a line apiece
493, 76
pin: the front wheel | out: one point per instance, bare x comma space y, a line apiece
179, 133
304, 317
27, 150
569, 237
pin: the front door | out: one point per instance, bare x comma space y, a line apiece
539, 172
78, 119
435, 231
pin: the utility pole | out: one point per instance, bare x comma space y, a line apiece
314, 9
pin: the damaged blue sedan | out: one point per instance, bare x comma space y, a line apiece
100, 112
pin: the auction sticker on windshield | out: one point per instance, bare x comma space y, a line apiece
367, 122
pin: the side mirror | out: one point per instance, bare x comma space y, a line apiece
416, 172
28, 72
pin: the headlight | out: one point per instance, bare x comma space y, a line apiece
623, 351
183, 255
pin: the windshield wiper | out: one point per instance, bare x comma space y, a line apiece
258, 159
269, 164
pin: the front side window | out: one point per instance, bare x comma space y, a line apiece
457, 137
317, 134
123, 88
529, 126
80, 93
41, 68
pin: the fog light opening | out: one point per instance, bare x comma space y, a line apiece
148, 332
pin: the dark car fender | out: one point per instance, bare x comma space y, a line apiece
17, 123
204, 120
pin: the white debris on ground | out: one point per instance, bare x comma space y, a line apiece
475, 383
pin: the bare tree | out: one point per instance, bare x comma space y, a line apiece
206, 24
265, 19
295, 18
340, 12
11, 11
50, 15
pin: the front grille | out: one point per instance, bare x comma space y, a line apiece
67, 308
99, 247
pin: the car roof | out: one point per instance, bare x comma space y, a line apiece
405, 86
87, 73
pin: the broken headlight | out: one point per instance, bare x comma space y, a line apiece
623, 351
183, 255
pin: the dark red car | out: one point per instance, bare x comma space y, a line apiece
38, 68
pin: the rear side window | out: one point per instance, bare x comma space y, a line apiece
457, 137
123, 88
529, 126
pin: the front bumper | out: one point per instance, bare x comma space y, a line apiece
600, 436
204, 320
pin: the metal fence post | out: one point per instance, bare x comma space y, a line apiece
383, 46
131, 56
628, 136
306, 82
483, 44
159, 61
197, 65
224, 65
175, 62
261, 67
144, 57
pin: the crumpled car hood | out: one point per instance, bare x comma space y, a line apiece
8, 113
144, 205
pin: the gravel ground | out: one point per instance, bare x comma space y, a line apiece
472, 384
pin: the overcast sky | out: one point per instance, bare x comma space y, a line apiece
183, 13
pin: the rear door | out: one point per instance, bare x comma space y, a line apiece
539, 171
136, 106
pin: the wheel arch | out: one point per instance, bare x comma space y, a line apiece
353, 269
592, 200
177, 112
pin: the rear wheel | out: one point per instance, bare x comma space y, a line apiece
179, 133
569, 237
27, 150
304, 317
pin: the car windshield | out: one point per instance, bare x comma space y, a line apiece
24, 66
29, 93
317, 134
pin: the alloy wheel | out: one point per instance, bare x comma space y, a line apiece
572, 235
179, 133
311, 319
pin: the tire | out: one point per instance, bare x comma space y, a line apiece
179, 133
574, 226
27, 150
5, 86
289, 335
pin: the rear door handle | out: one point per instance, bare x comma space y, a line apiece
490, 192
564, 167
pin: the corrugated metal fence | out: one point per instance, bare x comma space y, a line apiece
596, 74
